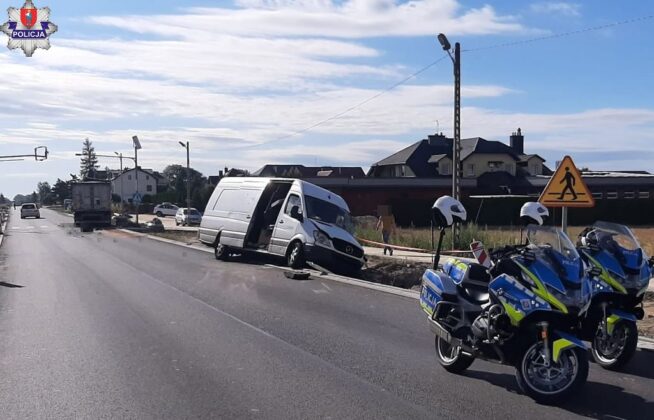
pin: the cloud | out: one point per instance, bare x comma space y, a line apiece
325, 18
560, 8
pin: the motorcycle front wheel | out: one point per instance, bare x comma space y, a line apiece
615, 350
451, 357
553, 383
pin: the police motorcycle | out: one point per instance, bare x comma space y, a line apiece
620, 273
523, 312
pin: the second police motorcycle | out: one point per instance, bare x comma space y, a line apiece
524, 311
620, 273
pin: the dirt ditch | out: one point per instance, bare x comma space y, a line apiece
392, 272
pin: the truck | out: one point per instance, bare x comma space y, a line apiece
91, 204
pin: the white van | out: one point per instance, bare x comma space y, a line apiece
286, 217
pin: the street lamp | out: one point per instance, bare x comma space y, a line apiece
137, 146
188, 180
456, 143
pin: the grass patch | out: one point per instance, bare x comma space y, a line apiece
422, 237
177, 235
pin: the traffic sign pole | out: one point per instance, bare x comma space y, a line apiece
564, 220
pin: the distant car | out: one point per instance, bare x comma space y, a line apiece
181, 218
165, 209
29, 210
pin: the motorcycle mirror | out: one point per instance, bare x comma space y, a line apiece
528, 255
651, 262
595, 272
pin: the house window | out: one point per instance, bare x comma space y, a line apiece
534, 169
149, 188
597, 195
446, 168
129, 177
643, 194
629, 194
495, 165
509, 168
470, 169
612, 195
147, 177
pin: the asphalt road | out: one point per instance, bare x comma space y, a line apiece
105, 325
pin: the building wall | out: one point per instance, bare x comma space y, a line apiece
395, 171
125, 185
480, 162
535, 166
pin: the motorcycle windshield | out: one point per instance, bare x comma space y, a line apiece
556, 250
559, 266
619, 241
548, 237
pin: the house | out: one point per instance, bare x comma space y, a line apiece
301, 171
124, 185
432, 157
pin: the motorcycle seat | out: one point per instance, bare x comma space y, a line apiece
475, 283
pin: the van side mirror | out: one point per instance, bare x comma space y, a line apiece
296, 214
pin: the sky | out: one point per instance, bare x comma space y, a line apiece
243, 80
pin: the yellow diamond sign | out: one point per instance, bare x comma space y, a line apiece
566, 188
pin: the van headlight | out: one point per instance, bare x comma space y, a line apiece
322, 239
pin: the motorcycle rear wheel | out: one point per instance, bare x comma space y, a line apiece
451, 357
615, 351
553, 384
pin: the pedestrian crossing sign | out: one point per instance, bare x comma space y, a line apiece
566, 188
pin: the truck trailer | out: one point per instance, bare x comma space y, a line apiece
91, 204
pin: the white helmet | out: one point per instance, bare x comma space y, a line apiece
447, 210
533, 212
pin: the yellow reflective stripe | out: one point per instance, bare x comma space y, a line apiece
610, 323
560, 345
426, 308
606, 276
542, 291
514, 314
461, 265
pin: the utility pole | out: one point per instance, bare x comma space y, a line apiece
456, 143
120, 156
188, 180
137, 146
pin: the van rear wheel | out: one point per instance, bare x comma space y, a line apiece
221, 252
295, 255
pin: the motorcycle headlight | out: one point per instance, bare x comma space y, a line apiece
322, 239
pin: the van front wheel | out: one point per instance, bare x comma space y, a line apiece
221, 252
295, 255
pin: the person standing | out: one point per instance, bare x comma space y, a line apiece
386, 224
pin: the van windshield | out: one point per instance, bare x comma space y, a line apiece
327, 212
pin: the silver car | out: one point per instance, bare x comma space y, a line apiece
182, 218
29, 210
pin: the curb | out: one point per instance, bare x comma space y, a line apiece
644, 343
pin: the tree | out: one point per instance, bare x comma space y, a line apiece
34, 197
61, 189
44, 191
89, 160
176, 176
3, 199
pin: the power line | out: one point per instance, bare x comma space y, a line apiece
433, 63
562, 34
352, 108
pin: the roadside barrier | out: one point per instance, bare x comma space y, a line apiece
406, 248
